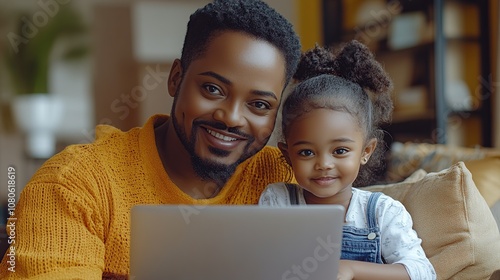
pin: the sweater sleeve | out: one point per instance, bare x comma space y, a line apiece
59, 224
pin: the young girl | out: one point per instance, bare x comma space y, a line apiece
332, 140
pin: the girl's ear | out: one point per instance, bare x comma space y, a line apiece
174, 78
284, 150
369, 149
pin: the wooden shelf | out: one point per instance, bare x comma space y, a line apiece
401, 117
425, 63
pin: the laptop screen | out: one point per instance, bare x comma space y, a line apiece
235, 242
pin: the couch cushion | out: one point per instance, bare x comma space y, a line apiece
405, 158
458, 231
486, 176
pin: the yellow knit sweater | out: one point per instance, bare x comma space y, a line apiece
73, 216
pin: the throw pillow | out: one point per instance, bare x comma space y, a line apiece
458, 231
486, 176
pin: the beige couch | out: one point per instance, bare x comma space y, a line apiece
451, 194
483, 163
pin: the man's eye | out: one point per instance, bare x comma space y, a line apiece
261, 105
212, 89
306, 153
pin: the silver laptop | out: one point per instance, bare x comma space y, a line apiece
186, 242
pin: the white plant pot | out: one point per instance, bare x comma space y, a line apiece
38, 116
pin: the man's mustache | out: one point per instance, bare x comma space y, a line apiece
222, 126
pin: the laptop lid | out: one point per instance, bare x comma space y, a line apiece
235, 242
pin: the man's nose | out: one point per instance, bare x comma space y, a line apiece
231, 115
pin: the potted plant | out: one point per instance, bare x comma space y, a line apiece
28, 57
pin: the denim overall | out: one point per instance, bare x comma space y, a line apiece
361, 244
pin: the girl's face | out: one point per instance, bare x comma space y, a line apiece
325, 149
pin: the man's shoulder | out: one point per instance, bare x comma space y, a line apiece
269, 151
268, 163
109, 140
104, 133
269, 155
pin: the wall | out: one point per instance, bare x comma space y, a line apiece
115, 72
309, 22
71, 81
495, 47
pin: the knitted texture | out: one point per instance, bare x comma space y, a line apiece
73, 217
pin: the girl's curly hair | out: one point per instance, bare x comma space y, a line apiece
348, 80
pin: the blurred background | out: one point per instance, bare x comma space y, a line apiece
68, 65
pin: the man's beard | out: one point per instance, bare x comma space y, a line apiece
208, 169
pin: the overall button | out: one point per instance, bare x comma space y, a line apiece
372, 235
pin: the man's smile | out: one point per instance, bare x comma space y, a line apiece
220, 136
222, 140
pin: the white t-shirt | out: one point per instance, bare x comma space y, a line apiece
400, 243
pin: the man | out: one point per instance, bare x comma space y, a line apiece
73, 216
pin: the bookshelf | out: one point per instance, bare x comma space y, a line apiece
438, 54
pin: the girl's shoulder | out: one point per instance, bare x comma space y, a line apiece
365, 195
386, 209
276, 187
275, 194
383, 204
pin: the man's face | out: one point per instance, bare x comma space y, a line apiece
226, 103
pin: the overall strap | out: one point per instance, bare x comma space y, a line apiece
370, 209
292, 192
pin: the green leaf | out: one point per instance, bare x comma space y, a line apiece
28, 59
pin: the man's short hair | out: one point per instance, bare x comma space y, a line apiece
253, 17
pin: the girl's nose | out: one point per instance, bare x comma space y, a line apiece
325, 162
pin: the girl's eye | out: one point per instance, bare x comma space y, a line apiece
213, 90
306, 153
340, 151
